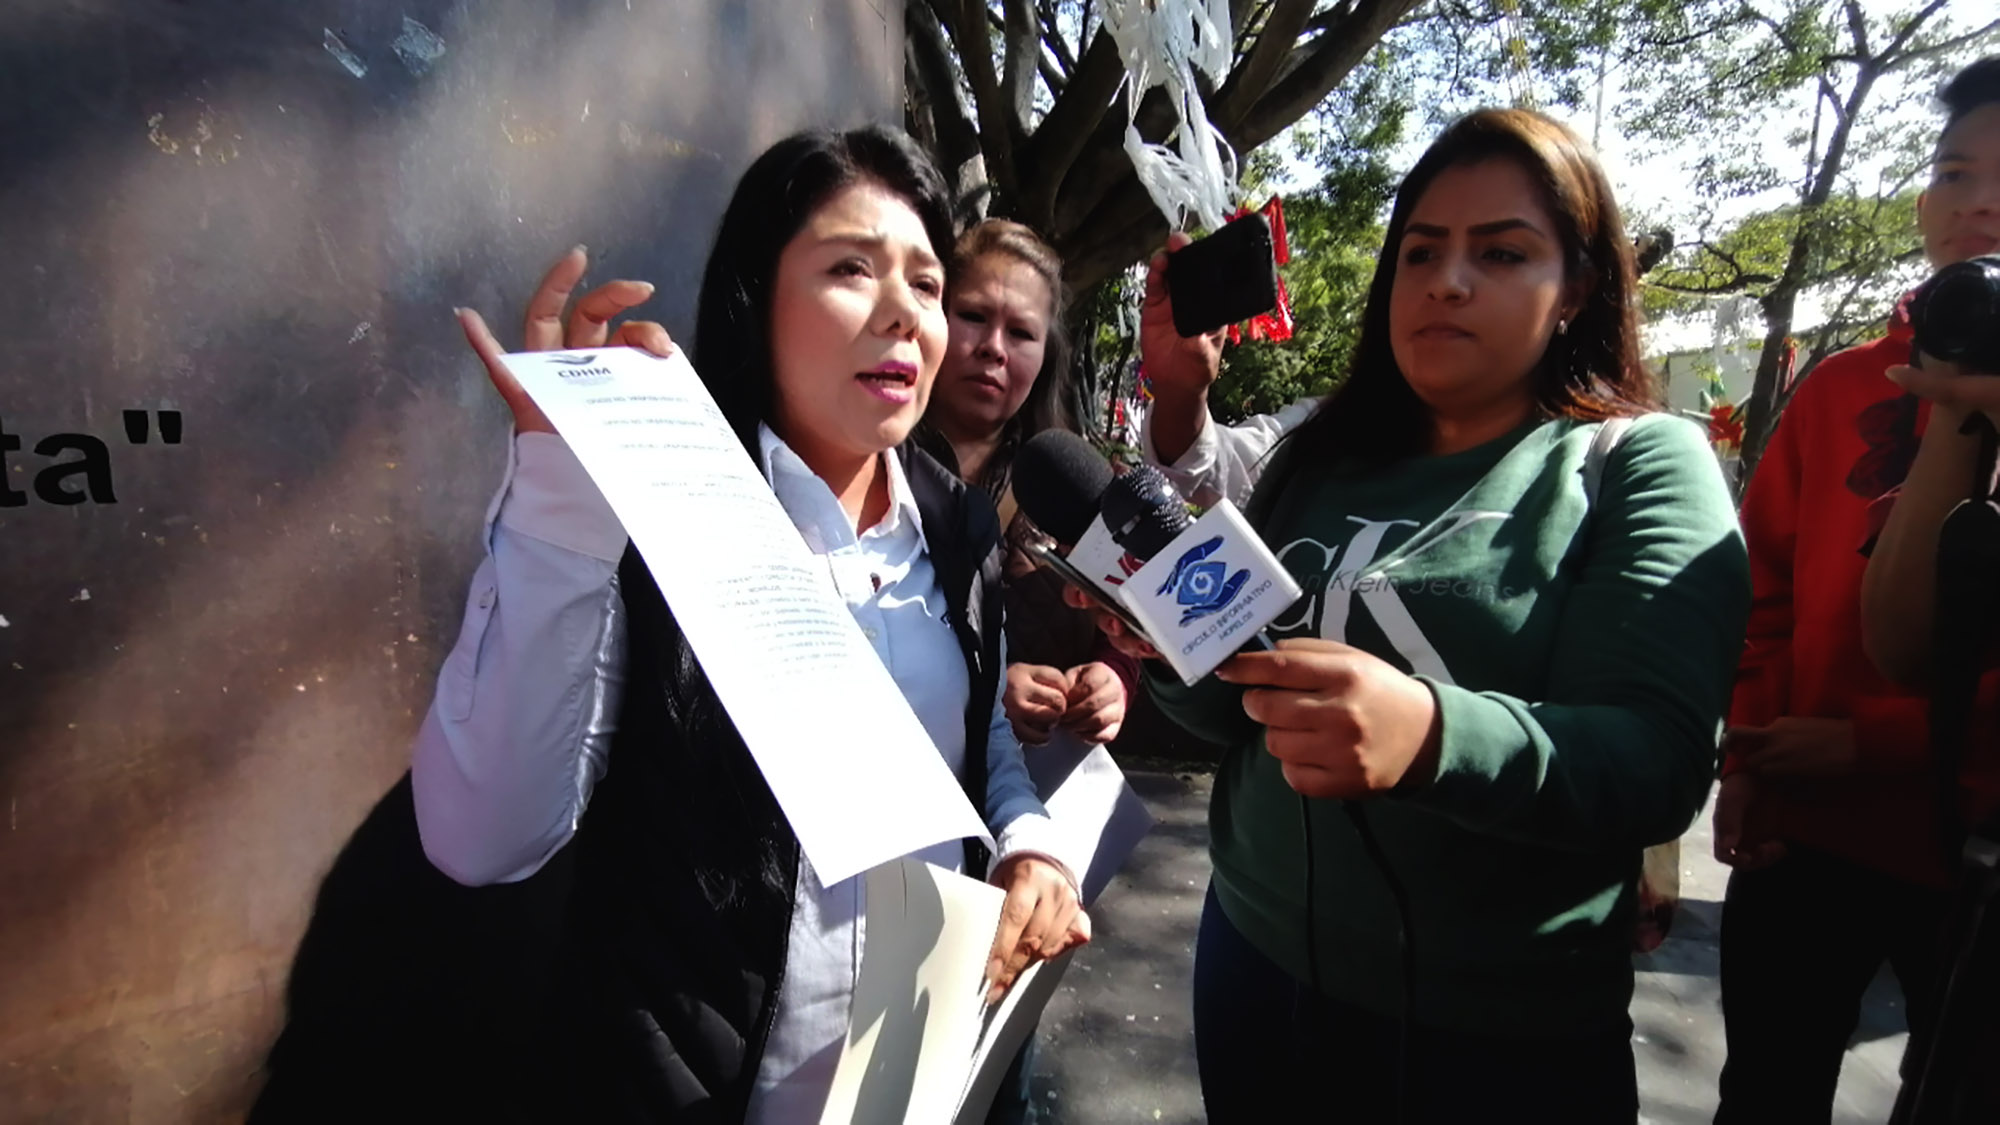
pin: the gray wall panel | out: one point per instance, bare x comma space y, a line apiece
209, 670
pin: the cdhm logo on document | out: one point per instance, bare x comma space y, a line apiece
581, 373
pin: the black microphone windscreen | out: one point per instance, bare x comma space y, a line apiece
1143, 512
1058, 479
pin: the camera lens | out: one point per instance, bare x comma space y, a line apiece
1957, 312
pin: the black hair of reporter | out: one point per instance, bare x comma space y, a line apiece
1495, 710
732, 354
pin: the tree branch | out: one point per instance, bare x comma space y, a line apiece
1728, 258
1051, 75
1853, 269
1052, 38
1320, 66
1275, 42
1909, 29
1067, 128
1650, 46
1952, 44
1832, 98
1240, 32
1857, 26
1021, 52
999, 134
1329, 18
1736, 286
1116, 233
936, 82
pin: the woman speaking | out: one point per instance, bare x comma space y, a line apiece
706, 972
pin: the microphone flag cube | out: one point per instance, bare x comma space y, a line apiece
1208, 592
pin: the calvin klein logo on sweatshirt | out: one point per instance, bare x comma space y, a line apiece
1339, 576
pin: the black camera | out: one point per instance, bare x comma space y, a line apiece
1956, 315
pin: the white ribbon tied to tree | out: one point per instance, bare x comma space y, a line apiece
1162, 43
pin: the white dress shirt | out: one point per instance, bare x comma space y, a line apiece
1225, 461
516, 737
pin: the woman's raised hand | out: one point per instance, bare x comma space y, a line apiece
1180, 367
545, 329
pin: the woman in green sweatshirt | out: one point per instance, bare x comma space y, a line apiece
1502, 684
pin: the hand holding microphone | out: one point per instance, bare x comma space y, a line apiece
1342, 722
1196, 590
1957, 391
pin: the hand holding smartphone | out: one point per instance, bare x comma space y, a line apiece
1053, 558
1227, 277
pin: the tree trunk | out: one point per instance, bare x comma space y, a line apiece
936, 117
1781, 303
1761, 417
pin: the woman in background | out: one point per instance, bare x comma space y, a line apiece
1005, 378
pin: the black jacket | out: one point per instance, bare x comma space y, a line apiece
635, 977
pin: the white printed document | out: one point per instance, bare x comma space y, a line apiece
922, 1048
854, 771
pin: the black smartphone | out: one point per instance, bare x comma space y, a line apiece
1053, 558
1231, 275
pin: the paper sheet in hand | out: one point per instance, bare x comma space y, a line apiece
916, 1052
853, 769
918, 1001
1087, 795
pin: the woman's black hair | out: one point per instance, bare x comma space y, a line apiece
773, 200
1590, 373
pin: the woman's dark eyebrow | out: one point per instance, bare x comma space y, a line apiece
875, 241
1498, 226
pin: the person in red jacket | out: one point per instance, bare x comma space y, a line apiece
1829, 805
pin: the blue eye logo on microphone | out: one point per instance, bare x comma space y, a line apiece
1198, 582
